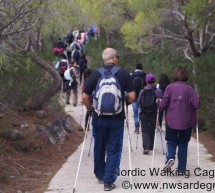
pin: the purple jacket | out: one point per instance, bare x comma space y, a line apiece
181, 102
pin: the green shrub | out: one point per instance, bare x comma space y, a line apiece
205, 80
4, 179
21, 83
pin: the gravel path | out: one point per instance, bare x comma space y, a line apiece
195, 180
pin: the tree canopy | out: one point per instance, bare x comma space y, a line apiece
161, 33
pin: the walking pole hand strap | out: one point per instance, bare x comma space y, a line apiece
90, 110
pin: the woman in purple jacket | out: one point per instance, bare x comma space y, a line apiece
181, 102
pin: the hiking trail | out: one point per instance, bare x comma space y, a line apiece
144, 179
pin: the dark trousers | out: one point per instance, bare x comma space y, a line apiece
148, 124
69, 56
81, 74
63, 82
108, 139
178, 138
160, 117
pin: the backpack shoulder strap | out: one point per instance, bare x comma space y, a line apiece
72, 68
101, 70
154, 88
115, 69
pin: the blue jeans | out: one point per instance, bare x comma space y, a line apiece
136, 113
178, 138
108, 139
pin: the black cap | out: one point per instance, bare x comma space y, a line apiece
139, 66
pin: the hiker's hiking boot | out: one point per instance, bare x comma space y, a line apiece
169, 164
109, 186
146, 152
100, 181
137, 131
160, 128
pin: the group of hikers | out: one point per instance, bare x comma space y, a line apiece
75, 40
107, 90
110, 88
71, 60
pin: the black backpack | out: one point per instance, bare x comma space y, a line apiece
76, 54
138, 81
148, 102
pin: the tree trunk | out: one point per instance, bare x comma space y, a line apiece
107, 37
194, 76
202, 39
189, 37
38, 102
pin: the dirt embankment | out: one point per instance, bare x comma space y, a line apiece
28, 162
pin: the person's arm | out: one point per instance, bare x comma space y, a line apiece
158, 93
195, 101
88, 89
164, 101
131, 96
86, 100
139, 97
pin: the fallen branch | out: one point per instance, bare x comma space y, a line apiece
23, 167
18, 173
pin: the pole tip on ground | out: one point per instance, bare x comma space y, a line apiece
73, 190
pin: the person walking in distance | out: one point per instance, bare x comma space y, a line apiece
82, 65
109, 81
148, 115
138, 77
181, 103
163, 82
87, 73
71, 83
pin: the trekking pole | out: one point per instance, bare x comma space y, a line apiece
153, 152
82, 149
159, 130
91, 140
81, 113
90, 145
197, 140
129, 155
136, 140
128, 127
137, 134
129, 143
197, 130
162, 141
155, 137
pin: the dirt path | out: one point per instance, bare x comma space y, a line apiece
195, 180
